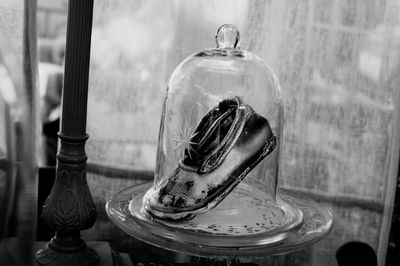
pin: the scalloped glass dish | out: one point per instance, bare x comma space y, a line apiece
237, 227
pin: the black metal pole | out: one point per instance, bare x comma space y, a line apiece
70, 208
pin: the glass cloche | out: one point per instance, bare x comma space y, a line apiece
219, 140
217, 166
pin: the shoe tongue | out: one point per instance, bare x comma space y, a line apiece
210, 132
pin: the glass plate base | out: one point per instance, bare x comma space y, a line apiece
244, 224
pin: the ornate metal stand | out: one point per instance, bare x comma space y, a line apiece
70, 207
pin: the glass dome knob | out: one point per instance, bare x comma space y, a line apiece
228, 36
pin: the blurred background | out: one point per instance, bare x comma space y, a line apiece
338, 65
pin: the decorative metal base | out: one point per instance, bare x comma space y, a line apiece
55, 254
69, 208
